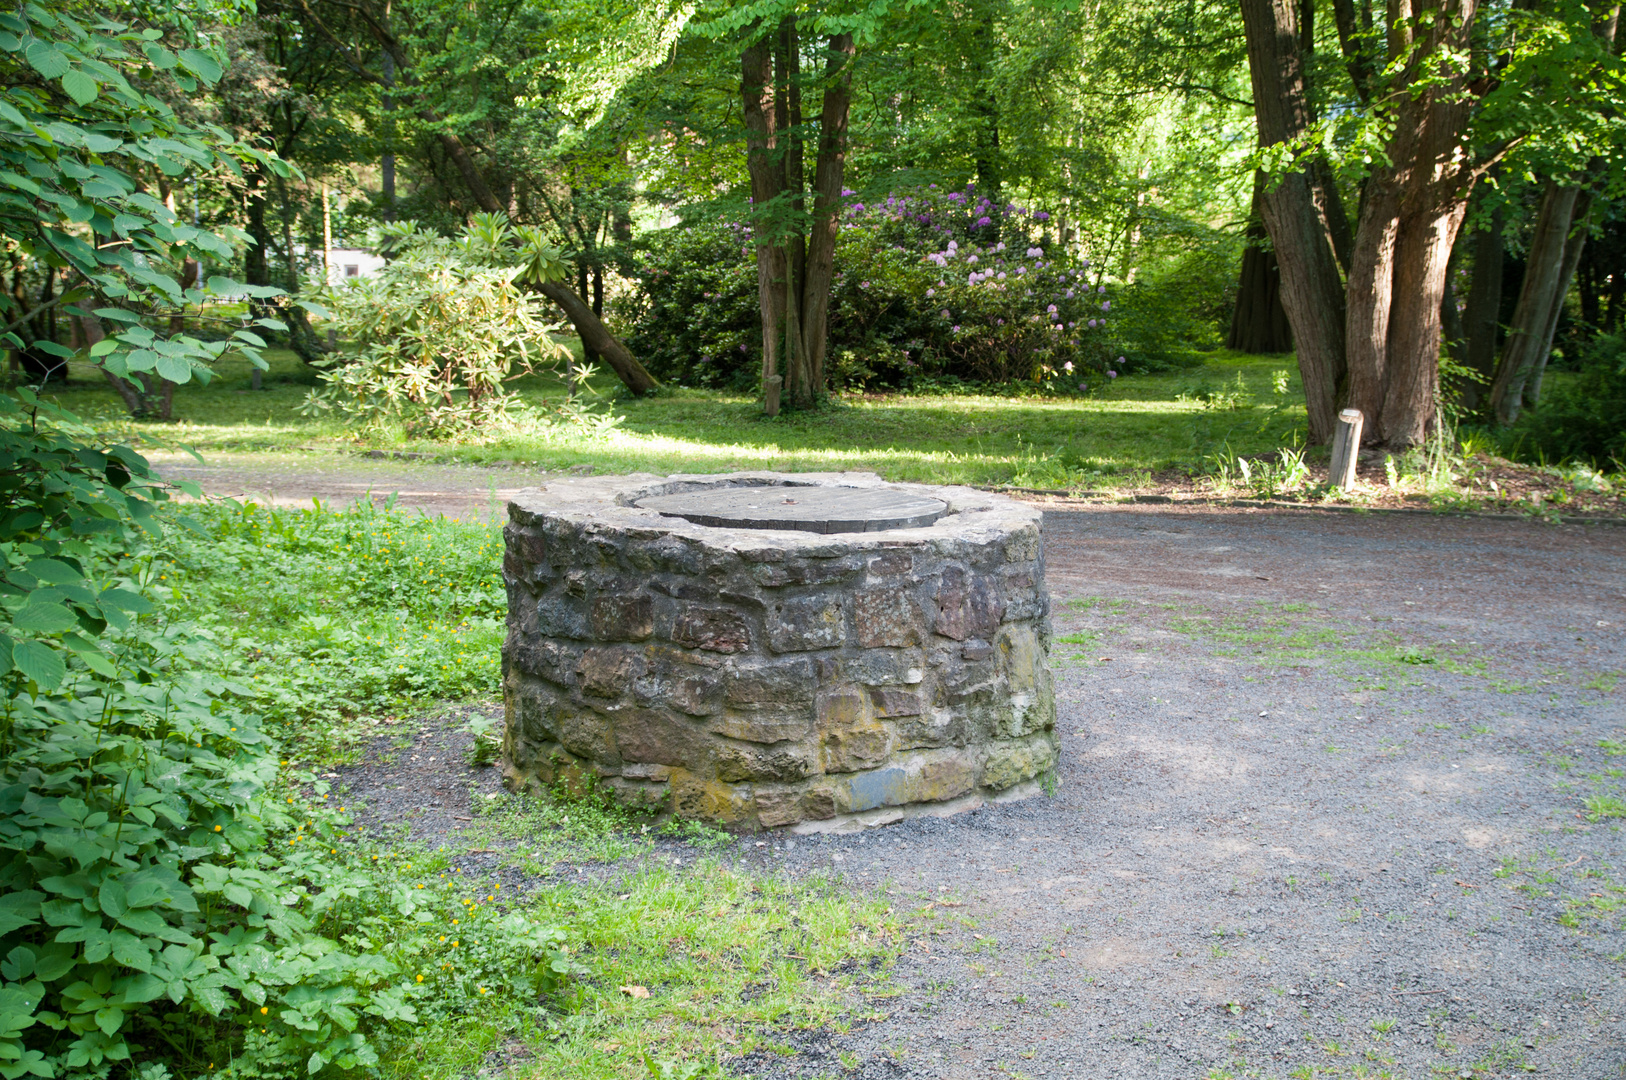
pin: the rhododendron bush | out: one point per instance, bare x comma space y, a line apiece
928, 283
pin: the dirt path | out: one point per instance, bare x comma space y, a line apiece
1322, 810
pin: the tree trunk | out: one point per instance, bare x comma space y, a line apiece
1258, 321
1574, 245
829, 171
1311, 288
598, 338
1481, 322
763, 165
1538, 295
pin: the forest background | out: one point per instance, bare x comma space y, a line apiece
1124, 153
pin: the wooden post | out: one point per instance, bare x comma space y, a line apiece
1346, 448
770, 394
327, 239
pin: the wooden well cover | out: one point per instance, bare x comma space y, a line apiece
812, 508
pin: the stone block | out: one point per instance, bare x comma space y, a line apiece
807, 622
1020, 657
853, 749
886, 618
622, 617
842, 706
736, 762
771, 681
968, 605
712, 800
880, 667
561, 615
587, 734
890, 563
931, 777
765, 723
933, 728
712, 629
608, 672
895, 703
638, 795
1011, 762
656, 737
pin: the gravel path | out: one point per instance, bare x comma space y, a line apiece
1322, 811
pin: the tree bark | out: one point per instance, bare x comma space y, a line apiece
1312, 290
1481, 322
1574, 245
829, 172
1258, 321
1538, 295
767, 180
596, 336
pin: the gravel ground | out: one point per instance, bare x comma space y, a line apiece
1321, 808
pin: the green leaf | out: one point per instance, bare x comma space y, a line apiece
47, 59
112, 898
81, 87
174, 368
202, 65
47, 618
19, 909
54, 572
39, 663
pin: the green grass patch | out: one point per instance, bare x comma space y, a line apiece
1138, 425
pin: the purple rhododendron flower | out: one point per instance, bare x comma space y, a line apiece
1002, 275
945, 313
1035, 252
1069, 294
1083, 386
846, 191
984, 221
1120, 359
1040, 215
1101, 289
1091, 324
971, 259
1051, 309
956, 329
1112, 374
1106, 305
858, 208
931, 292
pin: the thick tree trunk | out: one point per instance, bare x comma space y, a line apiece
1539, 293
764, 165
1422, 260
1312, 289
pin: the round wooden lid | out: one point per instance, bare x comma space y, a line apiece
812, 508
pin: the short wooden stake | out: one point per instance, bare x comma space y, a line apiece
770, 394
1346, 448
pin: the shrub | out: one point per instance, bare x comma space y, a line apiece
1581, 419
928, 285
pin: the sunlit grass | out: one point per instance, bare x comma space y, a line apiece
1137, 425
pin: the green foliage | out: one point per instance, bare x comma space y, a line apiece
927, 287
333, 621
436, 334
1582, 419
85, 134
158, 895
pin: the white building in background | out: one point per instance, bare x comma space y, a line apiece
346, 264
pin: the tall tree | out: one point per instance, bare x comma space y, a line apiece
795, 249
1435, 95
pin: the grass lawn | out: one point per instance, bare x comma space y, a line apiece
1136, 425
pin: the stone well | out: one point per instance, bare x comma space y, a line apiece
768, 676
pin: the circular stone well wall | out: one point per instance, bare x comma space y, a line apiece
769, 676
